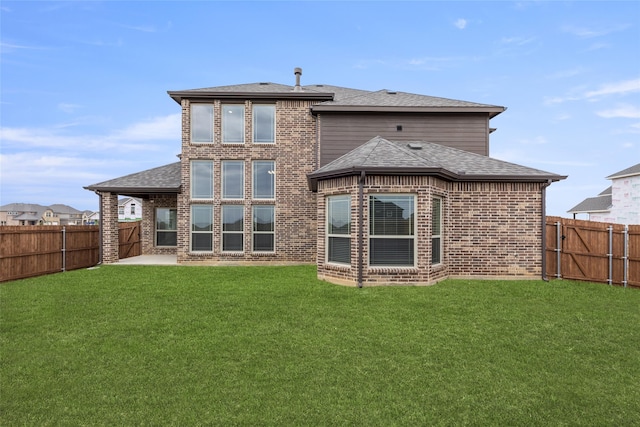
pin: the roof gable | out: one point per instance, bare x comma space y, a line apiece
631, 171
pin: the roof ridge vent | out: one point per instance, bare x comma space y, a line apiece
415, 145
391, 92
264, 83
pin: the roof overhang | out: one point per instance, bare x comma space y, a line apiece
178, 96
447, 175
141, 192
328, 108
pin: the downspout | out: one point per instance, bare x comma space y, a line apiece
543, 193
360, 226
99, 227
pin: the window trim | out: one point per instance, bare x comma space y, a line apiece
192, 232
272, 172
223, 128
223, 180
436, 236
255, 127
192, 179
412, 236
329, 234
155, 234
211, 122
254, 232
223, 232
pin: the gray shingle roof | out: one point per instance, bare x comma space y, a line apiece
382, 156
387, 98
600, 203
632, 171
163, 179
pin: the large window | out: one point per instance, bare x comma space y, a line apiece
233, 123
232, 228
391, 230
339, 229
232, 179
264, 179
166, 227
264, 124
202, 123
263, 228
436, 230
201, 179
201, 228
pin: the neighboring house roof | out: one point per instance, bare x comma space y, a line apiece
338, 98
381, 156
600, 203
123, 201
163, 179
632, 171
58, 208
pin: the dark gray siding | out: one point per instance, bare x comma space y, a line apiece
341, 133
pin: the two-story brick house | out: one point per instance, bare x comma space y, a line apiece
373, 187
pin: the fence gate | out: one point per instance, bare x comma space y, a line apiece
593, 251
129, 239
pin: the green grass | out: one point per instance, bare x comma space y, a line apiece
140, 345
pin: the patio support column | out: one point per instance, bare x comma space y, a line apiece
109, 227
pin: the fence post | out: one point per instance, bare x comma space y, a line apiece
625, 258
64, 249
558, 249
610, 256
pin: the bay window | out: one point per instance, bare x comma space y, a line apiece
392, 230
339, 229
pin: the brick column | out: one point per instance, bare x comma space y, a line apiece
109, 228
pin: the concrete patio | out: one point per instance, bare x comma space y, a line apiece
149, 260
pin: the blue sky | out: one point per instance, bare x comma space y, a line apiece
83, 84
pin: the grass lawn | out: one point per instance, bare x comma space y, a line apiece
141, 345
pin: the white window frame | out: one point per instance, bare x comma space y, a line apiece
168, 230
223, 179
412, 236
223, 232
193, 180
437, 236
255, 123
255, 178
192, 231
225, 110
194, 116
330, 200
254, 232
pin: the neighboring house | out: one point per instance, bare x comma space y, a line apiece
33, 214
372, 187
91, 218
129, 209
619, 203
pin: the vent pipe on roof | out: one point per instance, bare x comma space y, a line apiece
298, 72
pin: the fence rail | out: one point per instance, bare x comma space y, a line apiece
593, 251
28, 251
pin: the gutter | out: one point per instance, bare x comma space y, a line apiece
543, 193
360, 226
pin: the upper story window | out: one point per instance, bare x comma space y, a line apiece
392, 230
264, 124
232, 179
202, 123
201, 179
233, 124
264, 179
133, 208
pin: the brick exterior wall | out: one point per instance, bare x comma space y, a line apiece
109, 228
147, 235
489, 230
295, 207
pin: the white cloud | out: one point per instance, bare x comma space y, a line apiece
584, 32
461, 23
68, 108
141, 28
624, 111
624, 87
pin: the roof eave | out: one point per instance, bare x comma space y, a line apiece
313, 178
134, 191
323, 108
209, 95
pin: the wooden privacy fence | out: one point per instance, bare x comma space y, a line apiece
27, 251
593, 251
